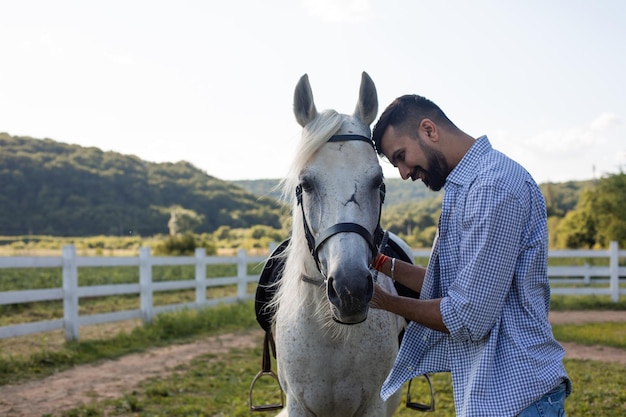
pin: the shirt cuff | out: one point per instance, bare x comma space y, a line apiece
451, 320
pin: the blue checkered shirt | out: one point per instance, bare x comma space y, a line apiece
489, 266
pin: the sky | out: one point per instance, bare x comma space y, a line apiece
212, 82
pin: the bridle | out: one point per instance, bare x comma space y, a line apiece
315, 243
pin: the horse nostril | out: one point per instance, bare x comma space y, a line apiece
331, 291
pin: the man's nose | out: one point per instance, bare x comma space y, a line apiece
405, 171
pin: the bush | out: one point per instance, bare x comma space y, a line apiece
186, 244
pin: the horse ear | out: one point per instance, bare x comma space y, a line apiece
367, 106
303, 105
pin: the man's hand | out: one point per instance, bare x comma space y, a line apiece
380, 297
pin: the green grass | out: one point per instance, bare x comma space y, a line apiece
605, 334
216, 386
585, 302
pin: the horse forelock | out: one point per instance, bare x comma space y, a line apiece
314, 136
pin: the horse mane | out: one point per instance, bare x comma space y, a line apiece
298, 260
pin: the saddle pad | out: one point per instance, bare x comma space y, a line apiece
265, 290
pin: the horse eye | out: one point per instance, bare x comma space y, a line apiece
306, 185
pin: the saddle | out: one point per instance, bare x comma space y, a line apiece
266, 289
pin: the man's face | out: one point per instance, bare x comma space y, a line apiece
415, 158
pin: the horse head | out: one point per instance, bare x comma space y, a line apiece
339, 191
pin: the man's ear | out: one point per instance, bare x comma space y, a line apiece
430, 129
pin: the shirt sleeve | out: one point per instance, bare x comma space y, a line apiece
489, 243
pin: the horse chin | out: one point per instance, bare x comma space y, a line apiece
348, 319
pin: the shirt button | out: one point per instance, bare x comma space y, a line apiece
425, 338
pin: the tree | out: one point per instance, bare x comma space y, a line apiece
609, 205
599, 216
578, 227
183, 220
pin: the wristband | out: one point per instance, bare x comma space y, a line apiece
380, 260
393, 268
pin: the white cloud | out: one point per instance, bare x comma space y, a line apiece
579, 152
337, 11
565, 140
605, 121
575, 139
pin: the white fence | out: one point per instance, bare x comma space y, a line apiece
70, 293
585, 279
569, 280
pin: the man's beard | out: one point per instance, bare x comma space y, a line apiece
435, 177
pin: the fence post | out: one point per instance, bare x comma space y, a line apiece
200, 276
70, 292
614, 271
242, 272
145, 284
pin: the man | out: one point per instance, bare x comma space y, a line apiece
483, 308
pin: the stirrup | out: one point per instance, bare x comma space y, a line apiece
419, 406
266, 370
266, 407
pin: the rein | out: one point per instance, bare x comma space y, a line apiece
315, 243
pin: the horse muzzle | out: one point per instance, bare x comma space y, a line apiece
349, 297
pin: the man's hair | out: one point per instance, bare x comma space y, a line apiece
405, 114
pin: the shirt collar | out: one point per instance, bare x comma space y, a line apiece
466, 170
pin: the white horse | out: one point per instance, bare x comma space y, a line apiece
333, 352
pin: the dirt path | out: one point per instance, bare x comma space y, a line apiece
112, 379
595, 353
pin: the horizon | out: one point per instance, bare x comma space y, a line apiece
212, 83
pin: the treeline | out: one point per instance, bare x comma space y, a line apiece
56, 189
52, 188
581, 214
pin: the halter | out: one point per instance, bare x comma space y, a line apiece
315, 244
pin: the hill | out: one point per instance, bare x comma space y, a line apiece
59, 189
52, 188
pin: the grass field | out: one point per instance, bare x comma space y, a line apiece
218, 386
211, 387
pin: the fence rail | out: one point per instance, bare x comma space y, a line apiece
71, 293
567, 280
